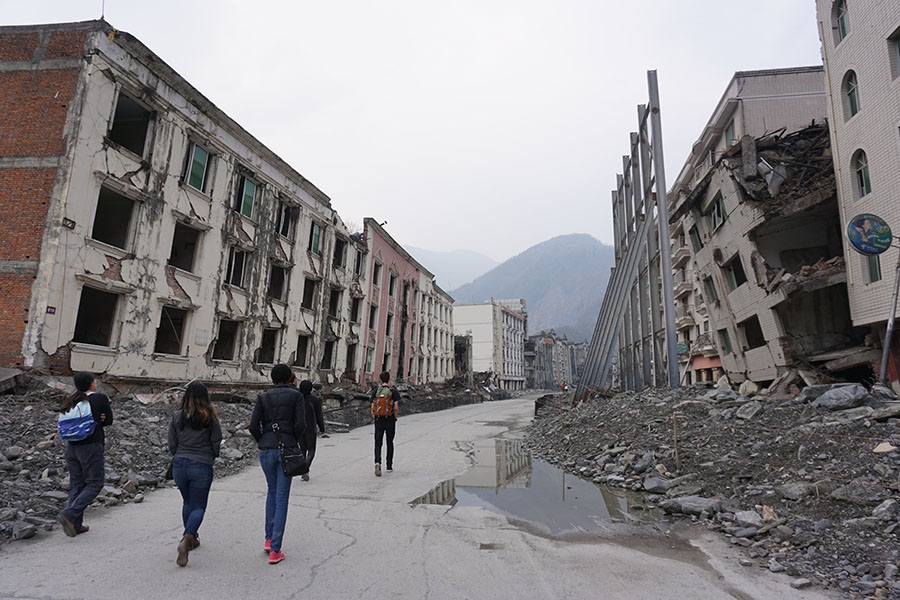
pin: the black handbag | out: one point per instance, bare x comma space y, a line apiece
293, 459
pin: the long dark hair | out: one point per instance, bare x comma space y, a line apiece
82, 383
197, 410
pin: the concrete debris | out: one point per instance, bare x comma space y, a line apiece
794, 484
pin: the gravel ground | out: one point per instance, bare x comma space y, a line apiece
807, 487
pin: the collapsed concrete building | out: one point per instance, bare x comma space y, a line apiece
757, 211
149, 237
552, 360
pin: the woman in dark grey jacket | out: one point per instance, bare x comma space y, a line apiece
282, 405
195, 437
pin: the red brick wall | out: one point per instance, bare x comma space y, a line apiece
33, 109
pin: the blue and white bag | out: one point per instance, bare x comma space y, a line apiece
77, 423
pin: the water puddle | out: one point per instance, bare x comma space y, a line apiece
504, 478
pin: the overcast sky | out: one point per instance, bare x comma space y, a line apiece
485, 125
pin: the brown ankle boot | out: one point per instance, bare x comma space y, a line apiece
184, 547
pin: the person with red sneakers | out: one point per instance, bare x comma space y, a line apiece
279, 418
84, 458
195, 437
385, 420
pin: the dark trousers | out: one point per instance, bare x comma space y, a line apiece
86, 477
385, 425
308, 445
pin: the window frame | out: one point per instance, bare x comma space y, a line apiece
301, 358
862, 178
841, 16
873, 268
716, 215
233, 252
205, 178
235, 342
850, 93
316, 232
179, 335
308, 301
240, 200
286, 219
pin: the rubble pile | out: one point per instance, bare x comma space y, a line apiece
807, 485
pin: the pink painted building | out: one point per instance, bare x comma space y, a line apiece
408, 322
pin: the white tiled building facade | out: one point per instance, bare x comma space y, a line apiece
861, 51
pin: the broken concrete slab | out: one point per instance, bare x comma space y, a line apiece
8, 378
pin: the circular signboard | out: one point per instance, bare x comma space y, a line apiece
682, 348
869, 234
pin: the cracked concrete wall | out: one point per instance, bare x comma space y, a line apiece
138, 273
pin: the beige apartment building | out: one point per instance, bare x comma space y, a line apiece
757, 252
861, 51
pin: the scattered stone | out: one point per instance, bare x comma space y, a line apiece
799, 584
843, 396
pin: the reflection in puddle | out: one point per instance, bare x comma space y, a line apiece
505, 479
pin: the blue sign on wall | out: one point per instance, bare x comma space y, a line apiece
869, 234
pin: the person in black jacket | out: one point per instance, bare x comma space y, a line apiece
280, 407
195, 437
84, 458
314, 417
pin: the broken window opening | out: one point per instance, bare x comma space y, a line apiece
96, 317
309, 293
184, 247
734, 273
851, 95
355, 305
328, 356
226, 342
696, 242
334, 303
370, 358
112, 221
360, 261
873, 266
130, 125
861, 168
392, 285
753, 333
373, 313
237, 262
301, 357
287, 216
170, 333
389, 325
376, 274
198, 168
278, 276
841, 20
716, 214
725, 340
315, 238
710, 288
340, 253
351, 358
729, 134
386, 362
268, 346
894, 53
246, 194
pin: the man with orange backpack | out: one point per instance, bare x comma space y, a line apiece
385, 401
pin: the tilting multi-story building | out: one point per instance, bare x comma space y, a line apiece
148, 236
861, 50
755, 208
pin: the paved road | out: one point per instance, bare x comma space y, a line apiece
352, 535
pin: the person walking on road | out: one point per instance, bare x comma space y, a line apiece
84, 458
195, 437
314, 419
281, 408
385, 403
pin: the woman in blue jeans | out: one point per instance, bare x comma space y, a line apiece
195, 437
282, 406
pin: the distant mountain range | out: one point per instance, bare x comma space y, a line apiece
562, 281
453, 269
